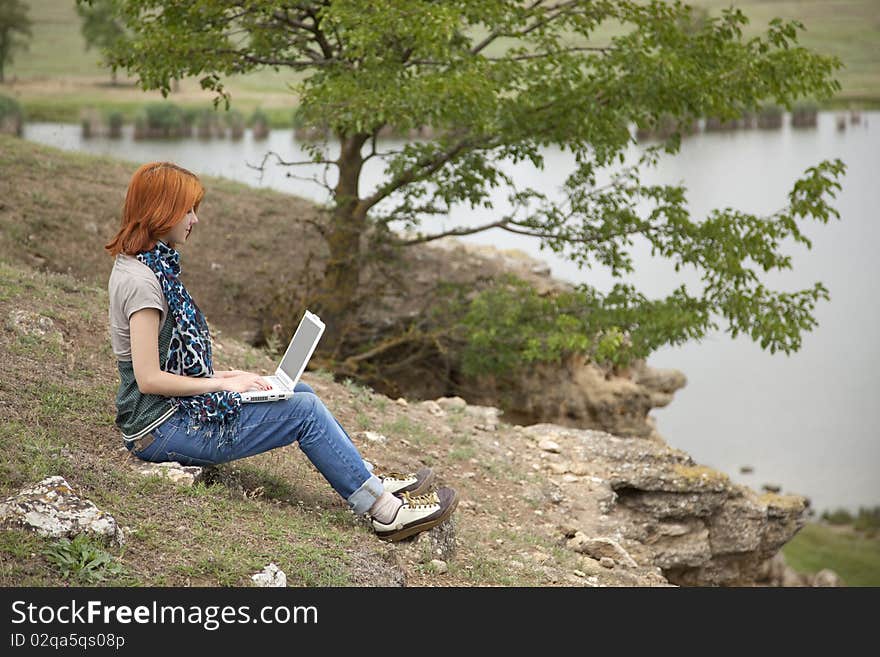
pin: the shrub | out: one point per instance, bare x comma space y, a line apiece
837, 517
770, 116
259, 122
161, 120
11, 117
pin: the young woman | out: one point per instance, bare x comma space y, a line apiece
173, 406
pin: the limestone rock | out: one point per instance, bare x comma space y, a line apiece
827, 577
451, 403
548, 445
439, 566
600, 547
51, 508
432, 407
606, 562
580, 394
30, 324
183, 475
270, 576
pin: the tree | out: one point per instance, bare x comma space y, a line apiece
15, 29
500, 79
101, 27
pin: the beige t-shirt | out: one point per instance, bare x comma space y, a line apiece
132, 286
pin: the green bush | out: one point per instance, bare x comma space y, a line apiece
837, 517
162, 120
258, 117
11, 116
510, 325
867, 519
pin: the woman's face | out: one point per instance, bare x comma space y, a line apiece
181, 230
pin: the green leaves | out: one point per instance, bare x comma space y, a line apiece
83, 560
499, 79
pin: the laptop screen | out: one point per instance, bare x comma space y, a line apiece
301, 347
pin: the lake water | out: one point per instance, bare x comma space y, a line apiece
804, 421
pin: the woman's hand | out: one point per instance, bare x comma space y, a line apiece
244, 381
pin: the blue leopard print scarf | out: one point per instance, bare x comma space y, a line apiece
189, 353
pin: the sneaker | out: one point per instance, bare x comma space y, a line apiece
417, 514
414, 483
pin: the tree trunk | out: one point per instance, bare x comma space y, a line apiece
337, 300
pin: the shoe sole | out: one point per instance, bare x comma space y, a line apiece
406, 532
420, 489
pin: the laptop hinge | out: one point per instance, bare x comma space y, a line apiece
281, 374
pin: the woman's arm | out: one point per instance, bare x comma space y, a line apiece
225, 374
151, 380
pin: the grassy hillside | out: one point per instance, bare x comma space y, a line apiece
854, 555
58, 76
57, 396
57, 410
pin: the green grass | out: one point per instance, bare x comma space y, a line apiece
854, 556
404, 427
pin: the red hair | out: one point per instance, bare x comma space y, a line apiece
159, 195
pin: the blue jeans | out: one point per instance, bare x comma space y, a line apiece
264, 426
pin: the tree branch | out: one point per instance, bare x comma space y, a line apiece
497, 33
453, 233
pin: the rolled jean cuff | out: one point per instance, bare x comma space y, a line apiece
364, 497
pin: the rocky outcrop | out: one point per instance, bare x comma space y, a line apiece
51, 508
580, 394
649, 504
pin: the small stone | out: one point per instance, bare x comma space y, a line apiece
373, 437
580, 573
568, 530
772, 488
270, 576
400, 401
439, 566
469, 475
570, 478
558, 468
827, 577
549, 446
432, 407
215, 266
607, 562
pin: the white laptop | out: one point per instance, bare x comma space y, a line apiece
293, 364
